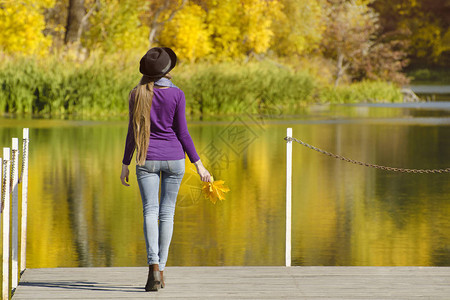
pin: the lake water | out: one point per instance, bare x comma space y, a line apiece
343, 214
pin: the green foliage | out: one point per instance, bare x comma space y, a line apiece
54, 87
365, 91
229, 88
100, 89
430, 76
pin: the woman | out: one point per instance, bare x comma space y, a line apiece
157, 130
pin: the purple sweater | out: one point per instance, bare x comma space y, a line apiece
169, 135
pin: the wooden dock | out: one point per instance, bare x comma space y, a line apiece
239, 283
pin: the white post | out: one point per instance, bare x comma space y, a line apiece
24, 176
6, 212
15, 213
1, 200
288, 197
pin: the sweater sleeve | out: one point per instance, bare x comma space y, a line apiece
181, 130
130, 144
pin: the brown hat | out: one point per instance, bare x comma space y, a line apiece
157, 62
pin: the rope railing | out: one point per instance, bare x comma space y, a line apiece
365, 164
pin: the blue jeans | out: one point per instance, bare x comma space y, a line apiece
157, 238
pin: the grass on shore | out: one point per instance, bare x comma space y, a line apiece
429, 76
100, 89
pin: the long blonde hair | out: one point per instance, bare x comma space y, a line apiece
141, 118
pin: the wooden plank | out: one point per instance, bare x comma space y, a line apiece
239, 282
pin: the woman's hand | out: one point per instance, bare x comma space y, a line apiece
124, 175
201, 170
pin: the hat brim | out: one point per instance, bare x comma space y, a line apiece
173, 58
173, 62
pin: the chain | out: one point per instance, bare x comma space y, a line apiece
402, 170
4, 184
25, 146
13, 167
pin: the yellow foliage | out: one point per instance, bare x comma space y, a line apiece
241, 27
225, 29
299, 28
405, 7
446, 41
427, 38
257, 24
188, 33
116, 27
21, 26
223, 21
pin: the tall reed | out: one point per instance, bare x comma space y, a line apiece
99, 88
229, 88
365, 91
53, 87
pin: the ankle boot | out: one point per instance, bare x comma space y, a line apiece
162, 279
154, 278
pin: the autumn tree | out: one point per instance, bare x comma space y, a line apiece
257, 25
56, 22
115, 26
77, 18
223, 19
159, 13
384, 60
299, 27
21, 27
242, 28
352, 40
350, 28
188, 33
222, 30
428, 23
74, 20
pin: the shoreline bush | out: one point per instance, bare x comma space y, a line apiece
53, 87
429, 76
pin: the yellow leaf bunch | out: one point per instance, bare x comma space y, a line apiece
215, 190
21, 27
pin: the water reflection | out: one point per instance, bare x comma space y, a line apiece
80, 215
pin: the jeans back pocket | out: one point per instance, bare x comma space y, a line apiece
176, 166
